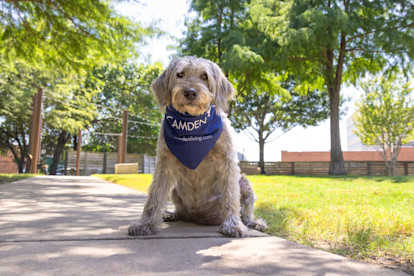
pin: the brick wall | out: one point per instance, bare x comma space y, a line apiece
406, 154
7, 164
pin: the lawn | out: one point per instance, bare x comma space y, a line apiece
9, 177
366, 218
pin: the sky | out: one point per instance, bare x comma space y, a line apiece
169, 16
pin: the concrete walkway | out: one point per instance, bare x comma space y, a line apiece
78, 226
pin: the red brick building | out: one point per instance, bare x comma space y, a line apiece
406, 154
7, 165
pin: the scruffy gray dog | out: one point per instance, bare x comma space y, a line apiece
213, 193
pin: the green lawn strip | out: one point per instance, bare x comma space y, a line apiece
366, 218
139, 182
9, 177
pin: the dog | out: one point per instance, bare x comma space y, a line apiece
197, 167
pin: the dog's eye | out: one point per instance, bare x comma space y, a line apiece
180, 75
204, 76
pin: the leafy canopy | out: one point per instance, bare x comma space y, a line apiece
385, 114
373, 34
121, 87
66, 34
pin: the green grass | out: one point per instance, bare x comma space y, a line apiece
368, 218
139, 182
360, 217
9, 177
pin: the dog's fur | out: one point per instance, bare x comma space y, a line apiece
214, 193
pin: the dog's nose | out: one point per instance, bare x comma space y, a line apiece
190, 93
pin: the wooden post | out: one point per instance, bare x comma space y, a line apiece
36, 131
405, 168
78, 153
31, 131
85, 163
124, 136
104, 163
118, 160
369, 167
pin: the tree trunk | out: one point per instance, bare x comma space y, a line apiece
261, 159
20, 164
75, 142
393, 159
62, 139
336, 166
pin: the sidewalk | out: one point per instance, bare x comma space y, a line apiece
78, 226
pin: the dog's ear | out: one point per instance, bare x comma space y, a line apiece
223, 89
163, 84
161, 91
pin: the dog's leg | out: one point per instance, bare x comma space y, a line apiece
151, 218
179, 213
247, 201
228, 182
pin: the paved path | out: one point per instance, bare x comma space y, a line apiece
78, 226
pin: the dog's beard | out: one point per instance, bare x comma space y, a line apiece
194, 107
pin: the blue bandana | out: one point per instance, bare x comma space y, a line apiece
190, 138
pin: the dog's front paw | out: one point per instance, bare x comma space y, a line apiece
258, 224
138, 229
236, 230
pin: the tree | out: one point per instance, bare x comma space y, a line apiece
68, 108
266, 111
326, 42
223, 33
121, 87
15, 113
385, 117
65, 35
18, 84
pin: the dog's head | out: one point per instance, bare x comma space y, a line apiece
191, 85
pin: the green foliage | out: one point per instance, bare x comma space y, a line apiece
324, 43
309, 35
17, 86
262, 112
223, 33
266, 111
18, 83
385, 117
124, 87
65, 35
52, 44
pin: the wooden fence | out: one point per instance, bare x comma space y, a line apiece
100, 162
322, 168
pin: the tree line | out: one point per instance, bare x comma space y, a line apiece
82, 54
